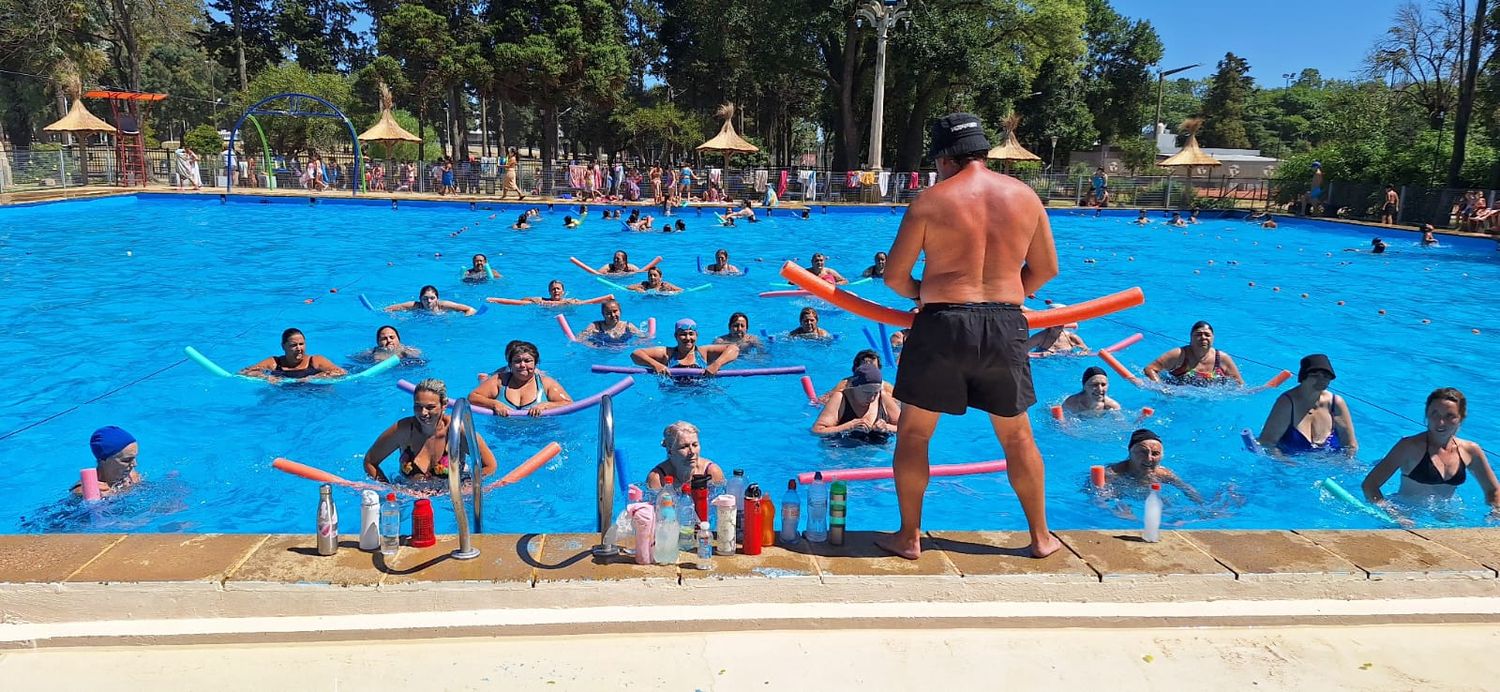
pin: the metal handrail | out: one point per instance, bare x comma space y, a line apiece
462, 442
606, 476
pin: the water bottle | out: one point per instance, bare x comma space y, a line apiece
725, 527
1152, 532
390, 525
328, 522
687, 520
791, 513
837, 512
736, 487
754, 519
665, 550
817, 509
705, 546
369, 520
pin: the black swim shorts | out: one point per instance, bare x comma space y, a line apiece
967, 355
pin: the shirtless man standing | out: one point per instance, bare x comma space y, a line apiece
1391, 207
988, 245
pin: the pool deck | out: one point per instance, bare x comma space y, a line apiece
68, 590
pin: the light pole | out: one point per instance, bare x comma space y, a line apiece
1161, 80
882, 16
1053, 162
213, 88
1288, 77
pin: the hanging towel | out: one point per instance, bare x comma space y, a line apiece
575, 176
715, 176
809, 185
912, 183
851, 179
760, 179
781, 185
931, 178
885, 182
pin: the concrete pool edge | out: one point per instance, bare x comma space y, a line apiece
73, 589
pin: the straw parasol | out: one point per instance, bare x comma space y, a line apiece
1191, 155
79, 120
1012, 150
727, 142
386, 130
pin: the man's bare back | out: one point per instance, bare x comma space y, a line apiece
986, 237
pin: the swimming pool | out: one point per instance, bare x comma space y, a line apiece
103, 295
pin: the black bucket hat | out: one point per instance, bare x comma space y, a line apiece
957, 133
1316, 361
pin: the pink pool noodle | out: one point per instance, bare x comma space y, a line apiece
651, 328
1124, 343
578, 405
562, 321
809, 390
89, 479
882, 472
696, 372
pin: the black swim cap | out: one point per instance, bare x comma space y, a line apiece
1140, 436
1093, 370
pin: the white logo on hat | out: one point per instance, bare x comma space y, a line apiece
963, 126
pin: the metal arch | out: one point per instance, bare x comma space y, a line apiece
294, 109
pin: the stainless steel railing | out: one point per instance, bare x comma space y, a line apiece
463, 445
606, 476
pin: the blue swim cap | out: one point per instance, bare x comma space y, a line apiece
686, 324
109, 441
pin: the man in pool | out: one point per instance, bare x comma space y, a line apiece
1142, 465
988, 244
114, 460
686, 353
1094, 398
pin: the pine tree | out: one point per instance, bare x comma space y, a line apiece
1224, 110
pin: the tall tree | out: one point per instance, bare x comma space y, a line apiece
247, 41
1117, 76
1420, 54
1477, 39
1229, 94
318, 33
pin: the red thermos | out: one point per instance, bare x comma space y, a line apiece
700, 495
754, 521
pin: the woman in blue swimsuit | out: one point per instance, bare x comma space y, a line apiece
1308, 417
1434, 463
294, 363
520, 386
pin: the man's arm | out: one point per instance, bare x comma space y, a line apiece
905, 250
1041, 257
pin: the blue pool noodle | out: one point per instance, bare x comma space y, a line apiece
1338, 491
366, 302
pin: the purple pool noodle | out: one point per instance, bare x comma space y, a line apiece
624, 384
1251, 444
697, 372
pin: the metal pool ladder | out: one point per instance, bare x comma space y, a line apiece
462, 444
606, 478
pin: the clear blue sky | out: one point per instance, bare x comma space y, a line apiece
1275, 36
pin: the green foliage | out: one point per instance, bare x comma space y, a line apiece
295, 135
203, 139
1118, 78
1224, 109
1137, 153
663, 127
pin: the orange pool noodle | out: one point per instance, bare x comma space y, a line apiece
1096, 476
1114, 364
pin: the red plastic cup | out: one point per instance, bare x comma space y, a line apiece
422, 535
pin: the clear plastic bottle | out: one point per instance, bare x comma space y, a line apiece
666, 548
817, 509
1152, 531
791, 513
736, 487
390, 525
687, 520
705, 546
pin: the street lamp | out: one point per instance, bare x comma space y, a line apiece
1288, 77
1161, 80
882, 16
213, 87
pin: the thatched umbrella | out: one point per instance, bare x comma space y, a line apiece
386, 130
1191, 155
727, 142
1011, 150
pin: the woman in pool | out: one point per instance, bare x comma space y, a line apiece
422, 438
1308, 417
522, 222
862, 409
1094, 398
428, 301
821, 270
807, 326
1197, 364
721, 264
684, 457
1057, 340
115, 454
481, 270
520, 386
876, 270
1435, 462
739, 333
1177, 220
620, 264
556, 296
1141, 219
1143, 465
861, 358
610, 331
686, 353
746, 212
388, 344
653, 282
1428, 239
294, 363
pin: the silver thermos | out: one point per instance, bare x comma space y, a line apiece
328, 522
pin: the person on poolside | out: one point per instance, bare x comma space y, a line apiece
522, 222
1391, 207
1308, 417
821, 270
422, 439
428, 301
1143, 466
739, 333
481, 270
686, 353
653, 282
1197, 364
1057, 340
861, 410
1314, 202
520, 386
619, 265
1142, 219
1094, 397
721, 264
115, 454
876, 270
745, 212
988, 244
807, 326
1428, 239
388, 345
1435, 462
684, 458
294, 363
611, 330
556, 296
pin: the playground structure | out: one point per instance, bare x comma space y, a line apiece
128, 110
295, 105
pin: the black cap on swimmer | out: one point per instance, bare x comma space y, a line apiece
956, 134
1092, 371
1140, 436
1316, 361
866, 373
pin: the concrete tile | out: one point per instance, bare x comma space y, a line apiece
1397, 554
503, 559
859, 558
998, 556
48, 558
294, 559
776, 562
1119, 556
152, 557
567, 558
1479, 545
1273, 555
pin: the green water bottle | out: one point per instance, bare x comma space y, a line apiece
838, 497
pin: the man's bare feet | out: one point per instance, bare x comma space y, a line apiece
901, 546
1044, 547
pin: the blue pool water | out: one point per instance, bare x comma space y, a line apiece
101, 297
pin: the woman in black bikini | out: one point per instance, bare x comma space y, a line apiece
294, 363
1434, 463
422, 439
1197, 364
684, 457
686, 353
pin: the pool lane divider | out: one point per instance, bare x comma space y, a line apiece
214, 368
621, 385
